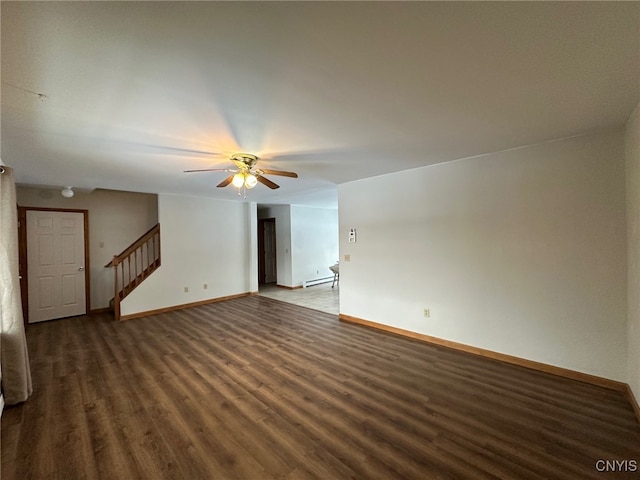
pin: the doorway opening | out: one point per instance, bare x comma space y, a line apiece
276, 262
267, 258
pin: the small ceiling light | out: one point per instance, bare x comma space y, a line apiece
238, 180
251, 181
67, 192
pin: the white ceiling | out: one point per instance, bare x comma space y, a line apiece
137, 92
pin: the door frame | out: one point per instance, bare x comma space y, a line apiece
22, 254
262, 276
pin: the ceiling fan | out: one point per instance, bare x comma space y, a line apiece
246, 175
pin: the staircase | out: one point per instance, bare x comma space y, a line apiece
134, 265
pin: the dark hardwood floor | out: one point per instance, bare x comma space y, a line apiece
254, 388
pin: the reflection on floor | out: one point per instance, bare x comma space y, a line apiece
319, 297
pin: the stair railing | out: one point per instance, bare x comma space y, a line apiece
134, 265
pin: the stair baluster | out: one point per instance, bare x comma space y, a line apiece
128, 277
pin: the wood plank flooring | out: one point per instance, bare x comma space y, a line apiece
318, 297
254, 388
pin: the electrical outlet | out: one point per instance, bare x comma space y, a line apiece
186, 289
427, 313
205, 286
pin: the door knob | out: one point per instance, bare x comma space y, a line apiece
81, 268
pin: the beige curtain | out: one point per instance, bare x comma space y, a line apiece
14, 358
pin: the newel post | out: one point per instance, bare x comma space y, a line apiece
116, 295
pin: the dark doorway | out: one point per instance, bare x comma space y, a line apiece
267, 265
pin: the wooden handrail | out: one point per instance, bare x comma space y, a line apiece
142, 239
134, 265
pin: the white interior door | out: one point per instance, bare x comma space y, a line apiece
55, 264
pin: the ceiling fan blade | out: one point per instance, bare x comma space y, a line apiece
268, 183
180, 150
280, 172
208, 170
225, 182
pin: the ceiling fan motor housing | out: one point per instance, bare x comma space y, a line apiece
247, 159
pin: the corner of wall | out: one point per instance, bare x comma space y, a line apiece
632, 173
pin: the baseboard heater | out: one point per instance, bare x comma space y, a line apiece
317, 281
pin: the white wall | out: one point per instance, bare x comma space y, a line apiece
251, 247
203, 241
314, 243
116, 219
632, 143
521, 252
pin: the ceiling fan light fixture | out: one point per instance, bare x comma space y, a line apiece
238, 180
246, 175
251, 181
